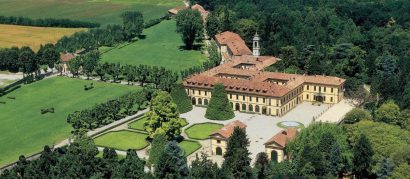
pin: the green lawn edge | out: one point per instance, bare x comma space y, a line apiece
195, 138
145, 146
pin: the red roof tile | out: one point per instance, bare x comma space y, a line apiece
234, 42
65, 57
283, 137
228, 129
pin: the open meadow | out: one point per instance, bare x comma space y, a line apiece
24, 130
15, 35
161, 46
101, 11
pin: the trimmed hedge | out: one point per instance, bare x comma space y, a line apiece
180, 97
219, 107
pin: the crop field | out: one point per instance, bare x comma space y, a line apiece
161, 46
15, 35
101, 11
24, 130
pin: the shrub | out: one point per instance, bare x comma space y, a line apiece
357, 115
180, 98
219, 107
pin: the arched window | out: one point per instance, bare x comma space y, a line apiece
205, 101
200, 101
250, 108
274, 156
256, 108
193, 101
237, 107
218, 151
243, 107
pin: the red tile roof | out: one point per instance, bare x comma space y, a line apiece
201, 10
283, 137
228, 129
234, 42
65, 57
175, 10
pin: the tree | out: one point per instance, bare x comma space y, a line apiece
74, 65
163, 117
401, 171
388, 112
49, 55
90, 62
157, 147
172, 163
385, 168
203, 168
262, 165
132, 167
28, 61
180, 97
212, 25
219, 107
236, 157
356, 115
246, 28
133, 24
362, 157
190, 26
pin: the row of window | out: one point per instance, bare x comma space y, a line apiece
320, 88
250, 98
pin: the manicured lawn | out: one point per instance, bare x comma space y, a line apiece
162, 46
25, 131
189, 146
100, 155
139, 124
122, 140
102, 11
202, 131
14, 35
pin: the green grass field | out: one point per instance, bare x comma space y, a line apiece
139, 124
25, 131
162, 46
122, 140
101, 11
202, 131
189, 146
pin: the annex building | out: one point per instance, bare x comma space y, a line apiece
251, 89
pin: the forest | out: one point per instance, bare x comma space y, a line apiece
366, 42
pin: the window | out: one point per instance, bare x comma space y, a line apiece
320, 89
307, 96
250, 98
257, 99
237, 97
243, 97
324, 98
314, 88
199, 92
307, 87
193, 91
206, 93
263, 100
218, 141
230, 96
331, 99
331, 90
324, 89
243, 107
256, 108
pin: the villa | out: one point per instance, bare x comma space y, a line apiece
275, 146
253, 90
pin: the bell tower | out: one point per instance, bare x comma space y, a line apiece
256, 47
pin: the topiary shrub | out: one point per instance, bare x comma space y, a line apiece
180, 97
219, 107
47, 110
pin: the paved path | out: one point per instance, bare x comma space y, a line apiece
260, 128
337, 112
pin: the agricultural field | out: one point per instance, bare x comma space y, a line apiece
102, 11
122, 140
202, 131
24, 130
15, 35
161, 46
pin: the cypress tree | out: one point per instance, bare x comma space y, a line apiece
172, 163
362, 157
219, 107
180, 98
262, 165
236, 157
